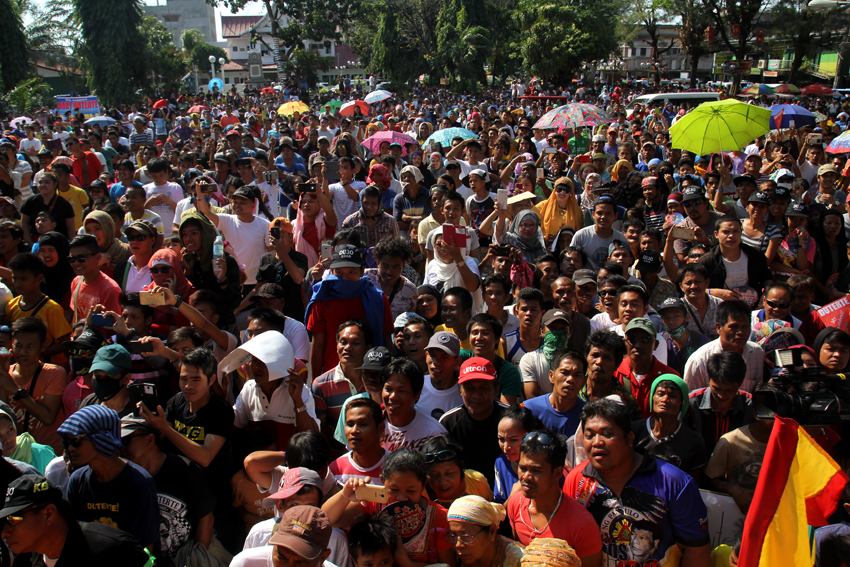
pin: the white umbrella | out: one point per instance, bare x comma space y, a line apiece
100, 121
20, 121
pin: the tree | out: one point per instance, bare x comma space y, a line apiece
14, 55
461, 21
650, 14
190, 39
201, 55
392, 54
166, 60
807, 31
692, 32
112, 39
27, 95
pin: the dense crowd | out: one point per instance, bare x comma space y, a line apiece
240, 333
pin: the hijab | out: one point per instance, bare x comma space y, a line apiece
531, 248
551, 215
57, 280
117, 250
301, 244
181, 286
449, 274
379, 176
426, 289
615, 170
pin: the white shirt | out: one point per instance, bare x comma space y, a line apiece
136, 279
696, 374
412, 435
33, 145
260, 557
601, 321
343, 204
249, 241
170, 190
736, 272
252, 405
534, 368
436, 402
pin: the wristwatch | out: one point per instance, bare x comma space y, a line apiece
20, 394
301, 409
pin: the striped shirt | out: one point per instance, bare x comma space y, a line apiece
761, 243
345, 468
330, 390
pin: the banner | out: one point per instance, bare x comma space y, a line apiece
88, 105
836, 313
725, 519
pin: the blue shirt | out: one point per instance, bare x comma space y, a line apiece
676, 357
117, 190
565, 423
505, 480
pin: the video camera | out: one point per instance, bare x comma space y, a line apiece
809, 396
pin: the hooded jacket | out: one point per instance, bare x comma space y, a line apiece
117, 250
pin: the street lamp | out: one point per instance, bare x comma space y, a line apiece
828, 5
212, 66
221, 63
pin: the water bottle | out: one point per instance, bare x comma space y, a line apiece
218, 248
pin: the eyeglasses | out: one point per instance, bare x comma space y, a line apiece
562, 188
137, 237
161, 270
690, 204
79, 258
777, 304
639, 340
543, 438
81, 353
74, 441
465, 539
440, 456
606, 292
696, 255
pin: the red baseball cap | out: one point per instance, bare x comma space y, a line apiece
294, 480
477, 368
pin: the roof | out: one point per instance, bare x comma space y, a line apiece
235, 26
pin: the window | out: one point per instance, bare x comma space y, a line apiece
643, 52
235, 48
171, 19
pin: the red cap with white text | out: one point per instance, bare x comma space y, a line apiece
477, 368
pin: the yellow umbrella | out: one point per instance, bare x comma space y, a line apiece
720, 126
290, 108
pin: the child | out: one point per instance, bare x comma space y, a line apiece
174, 243
90, 287
364, 425
27, 275
372, 541
44, 222
11, 237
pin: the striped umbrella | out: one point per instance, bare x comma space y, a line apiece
787, 89
573, 115
757, 89
377, 96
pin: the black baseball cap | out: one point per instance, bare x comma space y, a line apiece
797, 209
649, 261
742, 178
29, 490
88, 339
221, 157
670, 303
692, 193
781, 192
347, 256
376, 359
759, 197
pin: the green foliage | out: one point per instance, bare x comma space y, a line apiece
807, 31
201, 55
14, 54
191, 39
27, 95
694, 20
306, 63
166, 60
463, 43
396, 60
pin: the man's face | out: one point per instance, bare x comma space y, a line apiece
26, 347
135, 318
529, 314
696, 208
585, 293
722, 393
604, 216
640, 345
550, 273
361, 431
478, 396
564, 294
348, 274
452, 210
753, 166
133, 201
191, 236
606, 445
568, 379
630, 305
283, 557
601, 364
536, 475
88, 265
389, 270
729, 235
777, 304
482, 340
193, 384
734, 333
351, 346
398, 396
442, 366
28, 535
622, 256
633, 234
803, 296
673, 317
414, 339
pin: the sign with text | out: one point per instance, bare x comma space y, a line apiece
836, 314
88, 105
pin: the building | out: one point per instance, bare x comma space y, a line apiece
181, 15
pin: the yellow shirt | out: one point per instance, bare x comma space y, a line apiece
500, 350
53, 316
79, 199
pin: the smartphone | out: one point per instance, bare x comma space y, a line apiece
449, 232
502, 198
540, 173
371, 493
332, 174
327, 251
682, 233
547, 151
275, 233
136, 347
145, 393
503, 251
584, 159
99, 320
271, 175
151, 298
785, 149
306, 187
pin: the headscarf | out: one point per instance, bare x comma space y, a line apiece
587, 195
552, 219
99, 423
615, 169
531, 248
682, 386
182, 287
378, 214
117, 250
426, 289
208, 234
379, 176
371, 129
476, 510
449, 274
554, 342
301, 244
550, 552
57, 280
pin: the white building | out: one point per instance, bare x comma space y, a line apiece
181, 15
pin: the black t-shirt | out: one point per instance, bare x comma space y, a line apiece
184, 498
59, 207
92, 400
273, 270
97, 545
684, 449
479, 439
215, 418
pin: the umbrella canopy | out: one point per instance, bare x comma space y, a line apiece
757, 89
720, 126
334, 105
347, 109
20, 121
100, 121
787, 89
781, 116
840, 145
198, 108
161, 103
573, 115
291, 107
377, 96
374, 141
267, 90
819, 116
445, 136
817, 90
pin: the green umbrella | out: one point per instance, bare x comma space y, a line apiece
334, 104
720, 126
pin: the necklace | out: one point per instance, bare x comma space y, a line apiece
535, 531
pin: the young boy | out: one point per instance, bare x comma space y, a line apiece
134, 203
27, 275
372, 541
162, 194
91, 287
364, 425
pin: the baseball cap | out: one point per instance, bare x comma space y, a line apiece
556, 315
270, 291
294, 480
828, 168
692, 193
598, 138
221, 158
581, 277
244, 193
143, 226
232, 132
347, 256
476, 368
305, 530
757, 156
782, 191
376, 359
445, 341
282, 223
242, 161
404, 318
759, 197
780, 173
130, 425
672, 302
797, 209
675, 197
742, 178
89, 339
641, 324
29, 490
112, 359
617, 244
480, 173
452, 162
594, 157
647, 143
649, 261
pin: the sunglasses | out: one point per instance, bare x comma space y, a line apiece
440, 456
15, 520
137, 237
74, 441
696, 255
161, 270
690, 204
639, 340
562, 188
543, 438
777, 304
78, 258
606, 292
81, 353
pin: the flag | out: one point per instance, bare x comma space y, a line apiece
799, 485
777, 119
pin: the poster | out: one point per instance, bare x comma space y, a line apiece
725, 520
88, 105
836, 314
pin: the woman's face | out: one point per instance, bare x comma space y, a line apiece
436, 162
526, 185
46, 187
8, 436
446, 479
427, 306
834, 356
403, 487
161, 273
49, 255
795, 223
417, 160
757, 210
525, 145
510, 435
439, 250
481, 541
528, 227
96, 230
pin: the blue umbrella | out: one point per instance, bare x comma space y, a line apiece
444, 137
781, 116
100, 121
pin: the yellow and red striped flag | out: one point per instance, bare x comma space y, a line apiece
799, 485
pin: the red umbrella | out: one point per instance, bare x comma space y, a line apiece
347, 109
161, 103
817, 90
267, 90
198, 108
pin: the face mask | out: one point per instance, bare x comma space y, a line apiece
553, 341
105, 388
80, 366
677, 333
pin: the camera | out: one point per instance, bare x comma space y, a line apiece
809, 396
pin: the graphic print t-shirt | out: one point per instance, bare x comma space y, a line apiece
181, 503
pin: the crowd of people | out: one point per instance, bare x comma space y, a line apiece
243, 337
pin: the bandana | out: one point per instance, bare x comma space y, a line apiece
554, 341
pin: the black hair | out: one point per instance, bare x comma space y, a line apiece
633, 222
608, 340
530, 294
693, 268
614, 412
780, 285
137, 189
452, 195
405, 460
369, 535
613, 268
616, 280
571, 248
837, 337
158, 165
524, 417
30, 325
126, 164
545, 258
834, 550
207, 297
86, 241
371, 191
363, 325
726, 218
308, 449
726, 367
394, 247
346, 159
273, 318
634, 288
653, 232
179, 334
409, 370
555, 452
437, 443
27, 262
572, 355
497, 279
426, 325
131, 299
203, 359
732, 308
350, 235
486, 319
462, 294
367, 402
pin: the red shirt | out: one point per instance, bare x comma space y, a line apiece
572, 523
640, 391
103, 291
226, 121
92, 166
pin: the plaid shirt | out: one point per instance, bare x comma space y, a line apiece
404, 299
708, 325
387, 225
